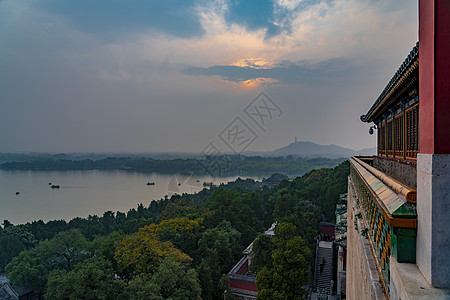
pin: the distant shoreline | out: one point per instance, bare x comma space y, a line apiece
231, 164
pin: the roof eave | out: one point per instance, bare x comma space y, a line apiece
409, 62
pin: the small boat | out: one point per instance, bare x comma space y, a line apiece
210, 184
198, 180
54, 186
179, 184
17, 193
150, 183
49, 183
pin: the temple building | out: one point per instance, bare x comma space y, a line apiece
398, 236
243, 282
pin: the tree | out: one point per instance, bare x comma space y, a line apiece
10, 247
290, 269
7, 224
140, 288
142, 253
178, 208
224, 287
322, 187
218, 250
90, 279
244, 212
28, 269
182, 232
31, 267
104, 246
222, 244
306, 217
176, 283
262, 253
206, 277
65, 250
22, 232
284, 202
170, 281
232, 215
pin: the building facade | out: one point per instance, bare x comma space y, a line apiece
398, 238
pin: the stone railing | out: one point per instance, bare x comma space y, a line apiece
388, 213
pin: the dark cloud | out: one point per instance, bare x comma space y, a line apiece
266, 14
253, 14
283, 72
108, 19
178, 18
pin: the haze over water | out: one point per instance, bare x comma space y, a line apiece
84, 193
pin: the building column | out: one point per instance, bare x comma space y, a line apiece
433, 161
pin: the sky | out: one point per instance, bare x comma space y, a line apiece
191, 76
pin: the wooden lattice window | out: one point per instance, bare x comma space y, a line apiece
398, 135
389, 138
382, 139
412, 132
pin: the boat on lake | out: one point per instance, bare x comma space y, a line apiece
150, 183
55, 186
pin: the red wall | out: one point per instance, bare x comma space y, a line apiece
434, 76
327, 229
243, 269
243, 285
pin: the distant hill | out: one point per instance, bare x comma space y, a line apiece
368, 151
316, 150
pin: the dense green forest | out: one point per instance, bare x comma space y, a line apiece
178, 248
222, 164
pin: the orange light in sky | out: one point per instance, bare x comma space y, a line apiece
256, 63
257, 82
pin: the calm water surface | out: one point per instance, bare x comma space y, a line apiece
87, 192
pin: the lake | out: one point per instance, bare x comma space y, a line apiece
84, 193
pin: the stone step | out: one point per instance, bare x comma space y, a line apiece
323, 279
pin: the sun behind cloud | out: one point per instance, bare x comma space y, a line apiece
256, 63
257, 82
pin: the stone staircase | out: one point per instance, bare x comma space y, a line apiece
324, 267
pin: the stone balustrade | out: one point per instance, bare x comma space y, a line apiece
388, 212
